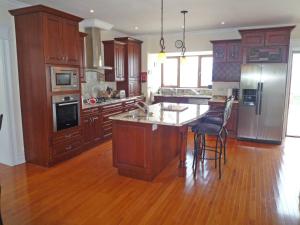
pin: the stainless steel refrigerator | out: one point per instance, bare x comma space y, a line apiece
262, 102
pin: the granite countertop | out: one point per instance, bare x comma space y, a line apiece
185, 96
111, 101
220, 100
158, 115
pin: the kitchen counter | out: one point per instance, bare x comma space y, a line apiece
111, 101
159, 115
143, 145
184, 96
220, 100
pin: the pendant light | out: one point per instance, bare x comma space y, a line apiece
180, 44
162, 55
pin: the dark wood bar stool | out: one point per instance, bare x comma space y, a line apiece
212, 125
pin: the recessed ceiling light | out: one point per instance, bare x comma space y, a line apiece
182, 26
223, 22
92, 11
136, 28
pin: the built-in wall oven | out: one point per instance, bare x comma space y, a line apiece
66, 111
64, 78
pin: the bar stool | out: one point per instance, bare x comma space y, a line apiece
212, 126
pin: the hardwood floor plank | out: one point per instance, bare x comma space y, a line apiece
259, 186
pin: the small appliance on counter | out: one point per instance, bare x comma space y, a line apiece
236, 93
122, 94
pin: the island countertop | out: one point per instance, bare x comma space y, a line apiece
160, 114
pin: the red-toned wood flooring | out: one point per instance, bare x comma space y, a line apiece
260, 186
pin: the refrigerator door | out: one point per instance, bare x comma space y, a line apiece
271, 107
248, 108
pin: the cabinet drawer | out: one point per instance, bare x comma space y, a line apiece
67, 135
65, 147
111, 106
112, 113
86, 112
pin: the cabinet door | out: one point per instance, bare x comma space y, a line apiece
253, 39
119, 62
53, 40
130, 62
82, 53
234, 52
277, 38
87, 129
97, 128
219, 52
133, 88
136, 61
71, 42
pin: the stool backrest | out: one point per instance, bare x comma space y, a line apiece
227, 110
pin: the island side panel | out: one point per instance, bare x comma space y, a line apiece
141, 150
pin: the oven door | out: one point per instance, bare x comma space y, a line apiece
65, 115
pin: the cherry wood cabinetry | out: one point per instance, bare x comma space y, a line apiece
92, 126
114, 56
233, 120
95, 122
227, 59
44, 35
132, 81
269, 45
61, 40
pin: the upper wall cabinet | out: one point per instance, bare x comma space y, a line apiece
61, 40
227, 58
269, 45
114, 56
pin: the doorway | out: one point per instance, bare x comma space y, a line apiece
293, 123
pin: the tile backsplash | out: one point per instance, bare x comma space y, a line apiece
221, 88
95, 83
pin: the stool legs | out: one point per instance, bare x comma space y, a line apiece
200, 149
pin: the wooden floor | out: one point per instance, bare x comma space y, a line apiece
260, 185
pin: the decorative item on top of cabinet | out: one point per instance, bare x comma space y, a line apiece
132, 82
267, 45
114, 56
44, 36
227, 58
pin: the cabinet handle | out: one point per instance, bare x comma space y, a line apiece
68, 135
69, 147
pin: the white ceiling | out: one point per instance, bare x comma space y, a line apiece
125, 15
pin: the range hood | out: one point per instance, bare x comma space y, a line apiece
93, 60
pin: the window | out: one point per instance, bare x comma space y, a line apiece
194, 71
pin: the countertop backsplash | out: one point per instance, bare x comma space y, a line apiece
221, 88
95, 82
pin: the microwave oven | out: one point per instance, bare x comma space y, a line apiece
64, 78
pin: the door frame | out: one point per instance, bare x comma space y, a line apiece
288, 90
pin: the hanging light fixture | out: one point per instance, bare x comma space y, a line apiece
162, 55
180, 44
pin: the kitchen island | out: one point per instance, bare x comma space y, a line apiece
144, 143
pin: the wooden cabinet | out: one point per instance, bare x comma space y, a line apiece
61, 40
107, 111
114, 56
269, 45
233, 120
44, 36
227, 58
132, 72
92, 125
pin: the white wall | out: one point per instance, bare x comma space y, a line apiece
11, 136
195, 41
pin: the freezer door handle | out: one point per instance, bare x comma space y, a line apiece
260, 97
257, 101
